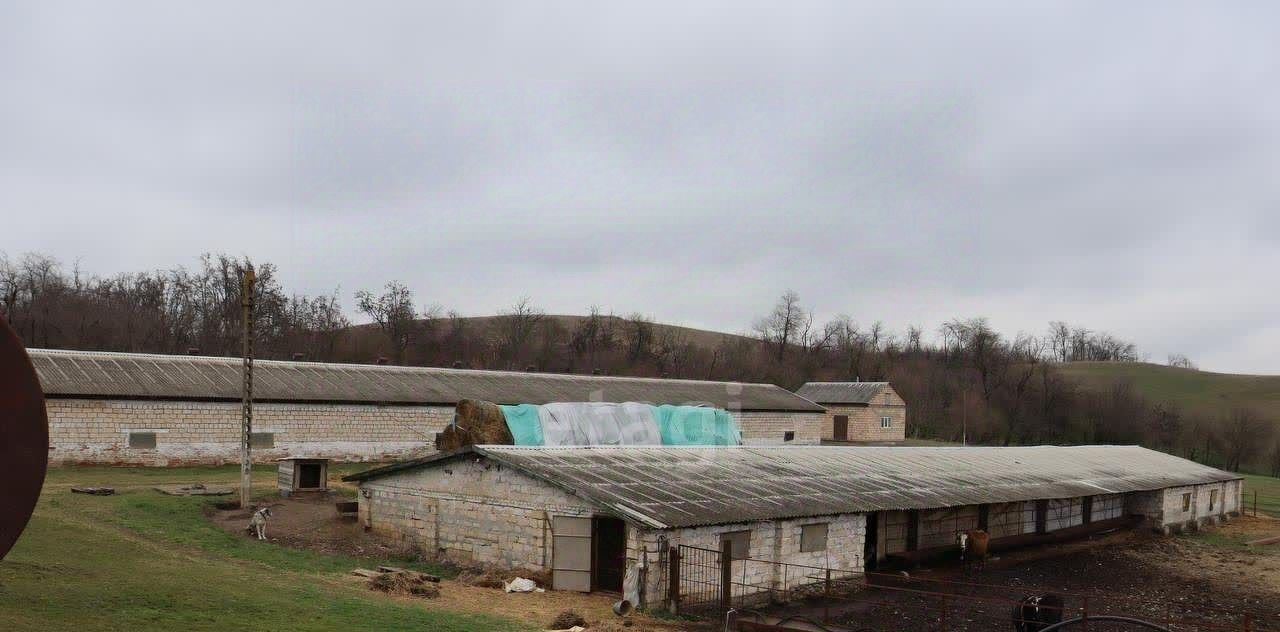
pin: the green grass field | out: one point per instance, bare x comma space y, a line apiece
1268, 494
141, 560
1200, 392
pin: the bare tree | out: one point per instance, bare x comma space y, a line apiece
640, 338
782, 325
915, 334
394, 313
1244, 433
1180, 361
516, 326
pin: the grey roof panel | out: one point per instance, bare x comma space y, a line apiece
129, 375
840, 392
673, 486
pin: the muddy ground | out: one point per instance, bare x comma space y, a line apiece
1207, 581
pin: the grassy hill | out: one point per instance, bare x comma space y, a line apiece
1200, 392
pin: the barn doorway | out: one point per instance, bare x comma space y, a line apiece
841, 428
870, 552
608, 554
309, 475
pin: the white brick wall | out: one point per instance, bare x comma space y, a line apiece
1164, 508
771, 541
769, 428
96, 431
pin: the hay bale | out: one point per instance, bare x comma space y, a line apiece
407, 583
482, 577
476, 422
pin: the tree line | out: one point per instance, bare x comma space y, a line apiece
964, 382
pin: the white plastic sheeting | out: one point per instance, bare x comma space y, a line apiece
598, 423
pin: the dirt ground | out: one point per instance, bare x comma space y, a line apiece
310, 522
1207, 581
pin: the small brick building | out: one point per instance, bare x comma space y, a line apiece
590, 515
144, 409
859, 412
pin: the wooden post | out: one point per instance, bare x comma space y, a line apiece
726, 573
246, 398
1255, 503
673, 579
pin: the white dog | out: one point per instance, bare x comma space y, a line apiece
258, 523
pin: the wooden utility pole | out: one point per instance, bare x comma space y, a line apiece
246, 401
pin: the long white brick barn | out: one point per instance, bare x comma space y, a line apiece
141, 409
591, 515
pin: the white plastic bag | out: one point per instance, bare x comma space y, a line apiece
521, 584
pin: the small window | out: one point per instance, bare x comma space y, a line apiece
1186, 502
262, 440
142, 440
741, 543
813, 537
789, 435
886, 422
1213, 498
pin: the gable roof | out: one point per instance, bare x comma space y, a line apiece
841, 392
147, 376
683, 486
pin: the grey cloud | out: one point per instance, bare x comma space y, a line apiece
901, 163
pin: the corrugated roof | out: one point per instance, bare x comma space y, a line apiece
674, 486
840, 392
131, 375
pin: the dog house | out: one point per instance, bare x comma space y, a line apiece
298, 474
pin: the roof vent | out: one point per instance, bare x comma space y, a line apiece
193, 350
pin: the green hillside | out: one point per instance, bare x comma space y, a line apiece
1200, 392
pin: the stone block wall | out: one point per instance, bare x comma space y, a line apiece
770, 428
469, 511
1164, 509
771, 541
85, 431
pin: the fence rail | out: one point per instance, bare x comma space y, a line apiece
710, 583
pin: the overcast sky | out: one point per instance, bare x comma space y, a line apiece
1115, 165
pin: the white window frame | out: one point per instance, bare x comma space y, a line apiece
886, 422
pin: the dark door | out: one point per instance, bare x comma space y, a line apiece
842, 428
869, 551
308, 476
609, 553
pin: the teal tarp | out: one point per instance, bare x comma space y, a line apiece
696, 425
677, 425
522, 421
